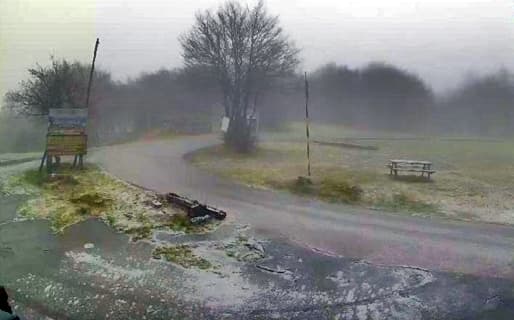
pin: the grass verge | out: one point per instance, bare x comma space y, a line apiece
72, 196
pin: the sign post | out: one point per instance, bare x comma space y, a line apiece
91, 72
67, 129
66, 135
307, 131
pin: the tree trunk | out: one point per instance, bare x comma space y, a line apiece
238, 135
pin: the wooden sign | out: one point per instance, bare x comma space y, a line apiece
74, 119
67, 132
66, 145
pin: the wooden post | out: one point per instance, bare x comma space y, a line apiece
42, 161
57, 162
49, 163
91, 73
307, 125
74, 161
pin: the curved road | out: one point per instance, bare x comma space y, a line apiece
378, 237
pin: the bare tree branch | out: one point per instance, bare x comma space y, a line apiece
246, 48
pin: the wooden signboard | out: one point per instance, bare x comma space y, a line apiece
68, 119
66, 145
67, 132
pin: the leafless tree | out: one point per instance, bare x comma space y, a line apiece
245, 47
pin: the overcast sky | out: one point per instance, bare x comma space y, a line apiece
440, 40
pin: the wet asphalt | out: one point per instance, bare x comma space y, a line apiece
55, 277
356, 232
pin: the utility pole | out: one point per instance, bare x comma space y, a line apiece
307, 126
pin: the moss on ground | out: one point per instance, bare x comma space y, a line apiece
140, 232
72, 196
182, 255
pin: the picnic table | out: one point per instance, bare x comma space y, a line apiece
424, 167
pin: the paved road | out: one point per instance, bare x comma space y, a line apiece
380, 238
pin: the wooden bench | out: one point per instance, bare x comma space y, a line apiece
424, 167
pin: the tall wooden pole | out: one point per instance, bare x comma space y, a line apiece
91, 74
90, 82
307, 125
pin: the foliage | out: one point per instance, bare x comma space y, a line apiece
244, 47
481, 106
180, 222
62, 84
140, 232
378, 96
339, 190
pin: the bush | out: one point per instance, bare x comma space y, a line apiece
339, 190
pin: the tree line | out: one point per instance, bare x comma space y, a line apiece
239, 62
382, 96
173, 100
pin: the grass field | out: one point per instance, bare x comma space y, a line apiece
474, 179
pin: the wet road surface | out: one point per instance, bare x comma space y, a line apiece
56, 277
312, 267
471, 248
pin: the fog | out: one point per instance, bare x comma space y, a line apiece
441, 41
430, 67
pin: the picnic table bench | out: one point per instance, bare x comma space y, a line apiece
425, 167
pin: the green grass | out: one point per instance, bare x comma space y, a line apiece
68, 197
328, 188
111, 219
180, 222
473, 178
406, 202
71, 196
339, 190
34, 177
140, 232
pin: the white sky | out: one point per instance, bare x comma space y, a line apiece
441, 41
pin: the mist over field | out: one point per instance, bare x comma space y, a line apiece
255, 159
431, 67
377, 97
